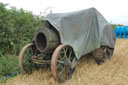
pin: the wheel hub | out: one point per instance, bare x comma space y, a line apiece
67, 62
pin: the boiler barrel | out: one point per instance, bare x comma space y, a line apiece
46, 39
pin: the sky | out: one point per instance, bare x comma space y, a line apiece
115, 11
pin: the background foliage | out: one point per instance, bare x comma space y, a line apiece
17, 27
8, 65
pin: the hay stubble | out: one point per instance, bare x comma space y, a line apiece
113, 72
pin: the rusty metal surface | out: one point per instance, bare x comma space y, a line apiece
97, 54
102, 54
46, 38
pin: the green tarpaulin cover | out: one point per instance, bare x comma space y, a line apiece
84, 30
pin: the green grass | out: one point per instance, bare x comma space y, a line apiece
8, 65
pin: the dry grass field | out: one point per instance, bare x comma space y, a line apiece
113, 72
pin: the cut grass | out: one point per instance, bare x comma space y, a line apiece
113, 72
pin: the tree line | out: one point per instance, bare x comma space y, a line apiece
17, 28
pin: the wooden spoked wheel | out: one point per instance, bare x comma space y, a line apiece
25, 60
61, 63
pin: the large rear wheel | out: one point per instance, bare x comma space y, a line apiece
102, 54
62, 63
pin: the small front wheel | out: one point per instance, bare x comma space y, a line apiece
25, 60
